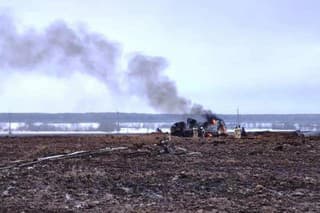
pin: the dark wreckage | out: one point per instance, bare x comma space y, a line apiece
212, 126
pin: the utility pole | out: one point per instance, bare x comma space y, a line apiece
9, 128
118, 125
238, 117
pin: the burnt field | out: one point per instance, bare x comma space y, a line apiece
265, 172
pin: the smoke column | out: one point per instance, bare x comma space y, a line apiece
146, 78
78, 50
58, 45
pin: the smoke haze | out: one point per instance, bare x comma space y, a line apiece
61, 50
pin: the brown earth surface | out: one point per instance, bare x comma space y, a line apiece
264, 172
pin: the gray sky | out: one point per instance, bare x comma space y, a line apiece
259, 55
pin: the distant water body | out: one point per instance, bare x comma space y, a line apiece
139, 123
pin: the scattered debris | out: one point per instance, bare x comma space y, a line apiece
159, 175
167, 147
77, 154
195, 153
278, 148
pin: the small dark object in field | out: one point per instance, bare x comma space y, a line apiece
278, 148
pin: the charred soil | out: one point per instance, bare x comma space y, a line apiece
265, 172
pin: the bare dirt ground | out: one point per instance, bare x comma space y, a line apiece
269, 172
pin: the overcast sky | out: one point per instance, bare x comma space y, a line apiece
259, 55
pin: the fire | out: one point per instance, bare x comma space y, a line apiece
213, 126
208, 135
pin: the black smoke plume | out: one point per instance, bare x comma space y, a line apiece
70, 50
210, 116
59, 45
